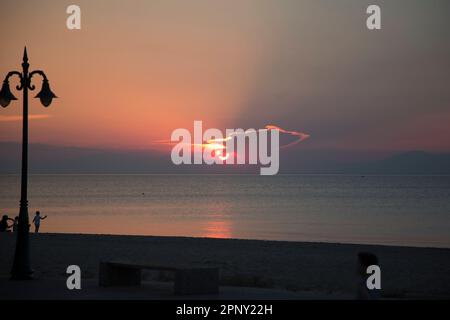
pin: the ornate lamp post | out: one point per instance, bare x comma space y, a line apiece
21, 267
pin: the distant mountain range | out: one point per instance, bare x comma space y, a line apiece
412, 162
59, 159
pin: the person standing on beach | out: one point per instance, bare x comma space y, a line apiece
365, 259
4, 226
37, 221
15, 224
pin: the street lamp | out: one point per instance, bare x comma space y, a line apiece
21, 266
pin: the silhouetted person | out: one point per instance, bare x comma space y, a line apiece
4, 226
15, 224
37, 221
365, 259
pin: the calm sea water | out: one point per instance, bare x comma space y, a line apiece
400, 210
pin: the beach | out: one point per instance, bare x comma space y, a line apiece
321, 269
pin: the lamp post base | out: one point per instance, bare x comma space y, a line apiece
21, 269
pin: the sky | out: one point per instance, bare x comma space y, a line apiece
137, 70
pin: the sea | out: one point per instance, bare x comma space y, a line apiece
389, 210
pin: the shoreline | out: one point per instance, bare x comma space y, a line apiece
313, 242
292, 266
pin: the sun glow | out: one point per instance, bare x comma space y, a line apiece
217, 146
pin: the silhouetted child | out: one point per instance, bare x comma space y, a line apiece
15, 224
37, 221
4, 226
365, 259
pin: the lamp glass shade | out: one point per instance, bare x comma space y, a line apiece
6, 95
46, 95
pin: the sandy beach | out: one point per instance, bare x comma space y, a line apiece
325, 268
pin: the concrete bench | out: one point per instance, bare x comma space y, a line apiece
187, 280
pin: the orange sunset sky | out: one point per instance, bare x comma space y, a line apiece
137, 70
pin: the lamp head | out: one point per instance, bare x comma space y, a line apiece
46, 95
6, 95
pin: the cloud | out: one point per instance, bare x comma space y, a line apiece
19, 117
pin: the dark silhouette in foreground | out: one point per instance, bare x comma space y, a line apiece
192, 280
365, 259
4, 226
15, 225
